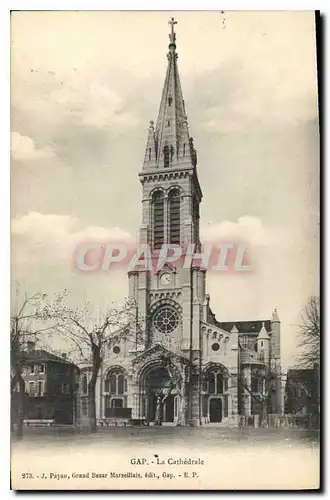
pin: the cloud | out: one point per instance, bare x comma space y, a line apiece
23, 148
236, 98
70, 99
80, 100
246, 229
52, 238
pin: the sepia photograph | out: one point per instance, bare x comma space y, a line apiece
165, 294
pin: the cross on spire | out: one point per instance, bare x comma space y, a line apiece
172, 22
172, 35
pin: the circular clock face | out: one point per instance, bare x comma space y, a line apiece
166, 279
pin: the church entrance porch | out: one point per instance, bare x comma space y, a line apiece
167, 408
158, 401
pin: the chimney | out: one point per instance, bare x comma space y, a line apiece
30, 345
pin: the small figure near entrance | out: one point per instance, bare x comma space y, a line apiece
160, 400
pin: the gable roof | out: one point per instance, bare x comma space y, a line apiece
42, 355
300, 374
245, 326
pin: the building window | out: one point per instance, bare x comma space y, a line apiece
115, 383
196, 220
166, 152
31, 389
215, 382
39, 390
32, 369
170, 101
215, 346
84, 384
165, 319
225, 406
256, 382
244, 341
184, 149
149, 154
255, 406
158, 219
116, 349
116, 403
84, 407
212, 389
42, 368
65, 388
174, 216
112, 388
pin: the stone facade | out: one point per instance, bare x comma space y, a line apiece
188, 366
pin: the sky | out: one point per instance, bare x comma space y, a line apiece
84, 86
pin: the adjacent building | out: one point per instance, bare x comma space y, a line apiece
50, 386
302, 394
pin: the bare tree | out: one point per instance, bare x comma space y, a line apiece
309, 331
180, 374
265, 380
25, 327
91, 335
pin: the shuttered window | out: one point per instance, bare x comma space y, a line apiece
174, 216
158, 219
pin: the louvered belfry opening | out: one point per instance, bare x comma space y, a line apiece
174, 217
158, 219
166, 156
196, 220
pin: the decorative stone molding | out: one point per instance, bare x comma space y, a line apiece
165, 295
145, 177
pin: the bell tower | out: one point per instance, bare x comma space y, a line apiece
171, 190
171, 299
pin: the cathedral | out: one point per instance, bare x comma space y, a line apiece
189, 368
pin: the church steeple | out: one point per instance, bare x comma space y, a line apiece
171, 190
169, 144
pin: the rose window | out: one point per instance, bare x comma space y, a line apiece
165, 320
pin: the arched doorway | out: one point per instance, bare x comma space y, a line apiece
215, 393
157, 386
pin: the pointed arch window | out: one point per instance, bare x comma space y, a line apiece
215, 383
158, 219
166, 152
174, 216
84, 385
116, 382
196, 220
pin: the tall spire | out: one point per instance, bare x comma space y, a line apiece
169, 144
